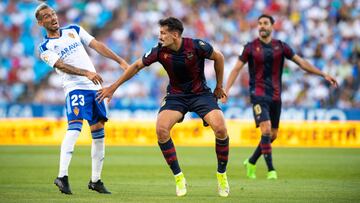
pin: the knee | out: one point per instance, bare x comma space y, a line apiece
97, 126
220, 132
273, 136
67, 147
162, 133
71, 136
265, 128
266, 131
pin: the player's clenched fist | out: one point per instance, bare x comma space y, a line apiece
219, 93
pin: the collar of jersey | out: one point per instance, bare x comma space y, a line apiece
266, 44
46, 37
178, 51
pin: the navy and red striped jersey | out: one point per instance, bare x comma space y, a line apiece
266, 62
184, 67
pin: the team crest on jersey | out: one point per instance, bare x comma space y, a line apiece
277, 47
257, 48
189, 55
165, 55
76, 111
71, 35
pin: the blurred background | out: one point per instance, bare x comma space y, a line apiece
325, 32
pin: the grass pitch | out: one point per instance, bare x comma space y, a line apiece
140, 174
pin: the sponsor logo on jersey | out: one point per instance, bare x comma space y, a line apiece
70, 49
189, 55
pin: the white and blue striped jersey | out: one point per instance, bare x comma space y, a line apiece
69, 47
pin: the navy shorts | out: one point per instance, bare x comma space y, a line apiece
81, 104
201, 104
264, 111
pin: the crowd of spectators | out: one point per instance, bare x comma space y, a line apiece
325, 32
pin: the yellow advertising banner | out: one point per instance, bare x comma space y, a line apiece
188, 133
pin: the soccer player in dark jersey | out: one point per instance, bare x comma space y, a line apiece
183, 59
266, 61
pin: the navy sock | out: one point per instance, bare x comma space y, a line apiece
222, 154
257, 153
169, 152
265, 145
255, 156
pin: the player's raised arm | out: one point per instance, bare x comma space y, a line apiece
107, 92
102, 49
305, 65
218, 58
232, 77
66, 68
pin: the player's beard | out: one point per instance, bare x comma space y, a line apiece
267, 33
162, 44
53, 27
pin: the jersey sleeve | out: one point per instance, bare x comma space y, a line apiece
288, 51
203, 48
151, 56
244, 57
48, 56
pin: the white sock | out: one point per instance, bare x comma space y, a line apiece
67, 148
97, 155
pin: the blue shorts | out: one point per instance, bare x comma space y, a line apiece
264, 111
201, 104
81, 104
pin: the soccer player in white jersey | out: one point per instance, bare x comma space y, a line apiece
64, 50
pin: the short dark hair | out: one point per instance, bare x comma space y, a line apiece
173, 24
40, 8
272, 21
